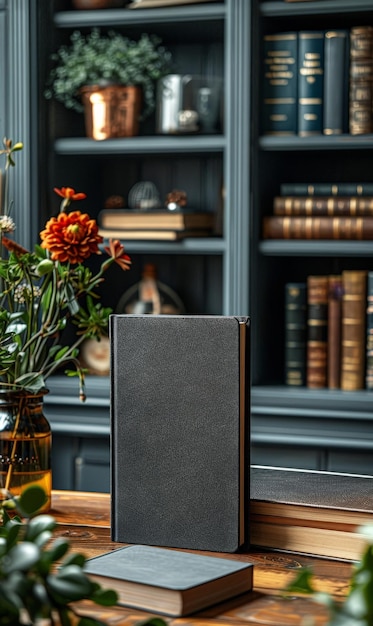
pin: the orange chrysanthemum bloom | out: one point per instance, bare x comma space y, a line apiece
71, 237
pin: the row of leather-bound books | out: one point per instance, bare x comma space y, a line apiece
321, 211
329, 331
318, 82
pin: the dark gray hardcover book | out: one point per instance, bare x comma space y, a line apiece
169, 581
180, 436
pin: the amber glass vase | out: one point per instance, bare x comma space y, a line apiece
25, 442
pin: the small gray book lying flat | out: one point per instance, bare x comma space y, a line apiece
169, 581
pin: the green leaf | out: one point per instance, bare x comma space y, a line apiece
69, 584
152, 621
58, 549
105, 597
33, 382
22, 556
39, 525
302, 583
31, 500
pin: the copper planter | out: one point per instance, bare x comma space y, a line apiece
111, 111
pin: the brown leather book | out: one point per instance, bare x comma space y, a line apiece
369, 355
334, 331
317, 331
281, 227
353, 329
361, 80
323, 205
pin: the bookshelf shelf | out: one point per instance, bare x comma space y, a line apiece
328, 248
204, 246
318, 7
321, 142
140, 145
214, 14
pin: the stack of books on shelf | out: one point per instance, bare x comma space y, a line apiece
318, 82
329, 331
161, 225
308, 511
321, 211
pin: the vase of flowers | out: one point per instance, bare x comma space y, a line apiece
41, 291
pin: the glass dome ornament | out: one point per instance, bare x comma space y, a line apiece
144, 195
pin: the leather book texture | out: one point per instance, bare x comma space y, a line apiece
336, 82
310, 82
180, 431
369, 355
326, 189
334, 331
280, 84
295, 334
315, 489
361, 83
317, 335
323, 205
353, 349
310, 512
294, 227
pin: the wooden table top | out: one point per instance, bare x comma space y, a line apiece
84, 518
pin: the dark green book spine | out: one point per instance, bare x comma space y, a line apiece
295, 334
369, 355
310, 82
336, 83
326, 189
280, 84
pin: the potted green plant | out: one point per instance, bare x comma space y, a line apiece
112, 76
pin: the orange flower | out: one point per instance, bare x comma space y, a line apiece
71, 237
116, 251
69, 194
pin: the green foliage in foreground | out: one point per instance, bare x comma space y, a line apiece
32, 586
357, 607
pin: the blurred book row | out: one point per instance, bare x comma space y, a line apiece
329, 331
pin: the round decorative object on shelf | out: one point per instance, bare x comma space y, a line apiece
95, 356
150, 296
144, 195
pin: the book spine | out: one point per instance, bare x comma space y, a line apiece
317, 331
310, 82
295, 334
326, 189
353, 330
369, 322
280, 84
323, 205
361, 80
336, 68
344, 228
334, 331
